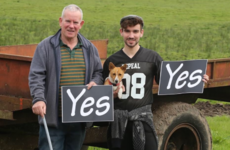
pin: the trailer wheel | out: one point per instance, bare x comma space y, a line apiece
180, 126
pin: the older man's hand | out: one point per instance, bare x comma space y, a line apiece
92, 83
39, 108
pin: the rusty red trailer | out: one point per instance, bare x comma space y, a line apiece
14, 67
17, 122
15, 103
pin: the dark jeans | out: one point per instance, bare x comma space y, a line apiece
127, 142
68, 136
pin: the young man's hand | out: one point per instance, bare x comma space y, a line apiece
205, 78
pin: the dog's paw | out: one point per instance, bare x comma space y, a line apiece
119, 96
120, 93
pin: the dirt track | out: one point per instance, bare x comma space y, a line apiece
213, 109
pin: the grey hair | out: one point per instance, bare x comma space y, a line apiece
72, 7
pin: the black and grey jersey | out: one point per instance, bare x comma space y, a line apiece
138, 79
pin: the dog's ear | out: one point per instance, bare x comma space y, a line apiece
124, 67
111, 66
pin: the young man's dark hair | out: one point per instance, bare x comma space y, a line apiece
131, 20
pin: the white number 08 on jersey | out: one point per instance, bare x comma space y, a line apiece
134, 85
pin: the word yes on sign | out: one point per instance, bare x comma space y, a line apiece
178, 77
82, 105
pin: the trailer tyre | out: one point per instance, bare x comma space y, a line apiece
181, 126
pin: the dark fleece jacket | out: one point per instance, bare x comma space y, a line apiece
45, 71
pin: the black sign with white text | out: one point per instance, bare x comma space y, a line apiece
82, 105
178, 77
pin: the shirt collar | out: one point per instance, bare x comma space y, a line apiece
79, 44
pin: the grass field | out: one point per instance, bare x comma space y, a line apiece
176, 29
212, 101
220, 132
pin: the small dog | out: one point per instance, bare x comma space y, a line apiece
115, 77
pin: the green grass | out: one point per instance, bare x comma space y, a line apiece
172, 43
154, 12
96, 148
176, 29
220, 131
212, 101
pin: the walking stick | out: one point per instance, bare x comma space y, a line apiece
47, 133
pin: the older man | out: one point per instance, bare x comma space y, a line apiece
66, 58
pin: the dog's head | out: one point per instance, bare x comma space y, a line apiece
116, 73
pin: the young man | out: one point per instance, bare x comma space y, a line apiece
67, 58
133, 120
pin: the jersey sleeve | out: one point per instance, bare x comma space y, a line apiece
157, 70
106, 69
